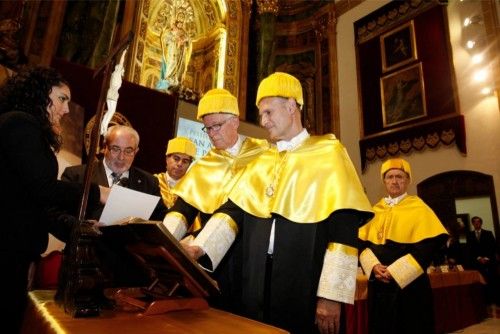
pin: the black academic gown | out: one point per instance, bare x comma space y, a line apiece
228, 273
283, 291
29, 187
394, 310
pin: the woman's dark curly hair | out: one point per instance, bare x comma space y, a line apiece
28, 91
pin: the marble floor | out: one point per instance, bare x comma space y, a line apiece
490, 325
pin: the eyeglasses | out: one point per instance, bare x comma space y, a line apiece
215, 127
128, 151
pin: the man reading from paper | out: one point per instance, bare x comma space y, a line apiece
121, 144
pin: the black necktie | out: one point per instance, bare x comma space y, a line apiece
116, 178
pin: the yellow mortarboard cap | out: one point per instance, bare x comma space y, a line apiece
181, 145
397, 163
217, 100
282, 85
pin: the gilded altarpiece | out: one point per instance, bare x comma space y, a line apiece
214, 29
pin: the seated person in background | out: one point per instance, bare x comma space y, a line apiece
482, 252
397, 246
179, 155
121, 144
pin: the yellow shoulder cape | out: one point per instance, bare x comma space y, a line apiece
166, 192
410, 221
304, 185
207, 183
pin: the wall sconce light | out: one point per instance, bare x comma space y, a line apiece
470, 44
475, 19
486, 90
473, 32
475, 43
481, 75
477, 58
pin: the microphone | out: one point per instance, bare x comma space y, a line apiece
123, 182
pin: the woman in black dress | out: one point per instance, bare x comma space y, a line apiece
32, 104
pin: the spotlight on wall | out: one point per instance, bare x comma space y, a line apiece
477, 58
481, 75
486, 90
475, 19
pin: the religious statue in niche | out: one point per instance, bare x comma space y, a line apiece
176, 46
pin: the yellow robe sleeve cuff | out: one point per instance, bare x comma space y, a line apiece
176, 224
216, 238
405, 270
368, 260
338, 276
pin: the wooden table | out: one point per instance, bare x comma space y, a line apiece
458, 299
458, 302
43, 316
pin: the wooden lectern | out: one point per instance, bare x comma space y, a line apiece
176, 281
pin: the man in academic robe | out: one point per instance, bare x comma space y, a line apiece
205, 186
180, 153
297, 208
397, 246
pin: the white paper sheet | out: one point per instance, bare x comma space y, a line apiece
124, 204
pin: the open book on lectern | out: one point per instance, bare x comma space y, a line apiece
176, 281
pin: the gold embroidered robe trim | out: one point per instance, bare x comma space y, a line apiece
368, 260
405, 270
338, 276
222, 229
176, 224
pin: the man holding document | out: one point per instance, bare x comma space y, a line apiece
121, 144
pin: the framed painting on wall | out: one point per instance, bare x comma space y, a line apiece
398, 47
403, 95
406, 81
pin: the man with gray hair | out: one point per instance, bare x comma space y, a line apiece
296, 209
121, 144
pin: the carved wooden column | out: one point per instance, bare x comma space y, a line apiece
246, 12
41, 39
268, 11
327, 118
